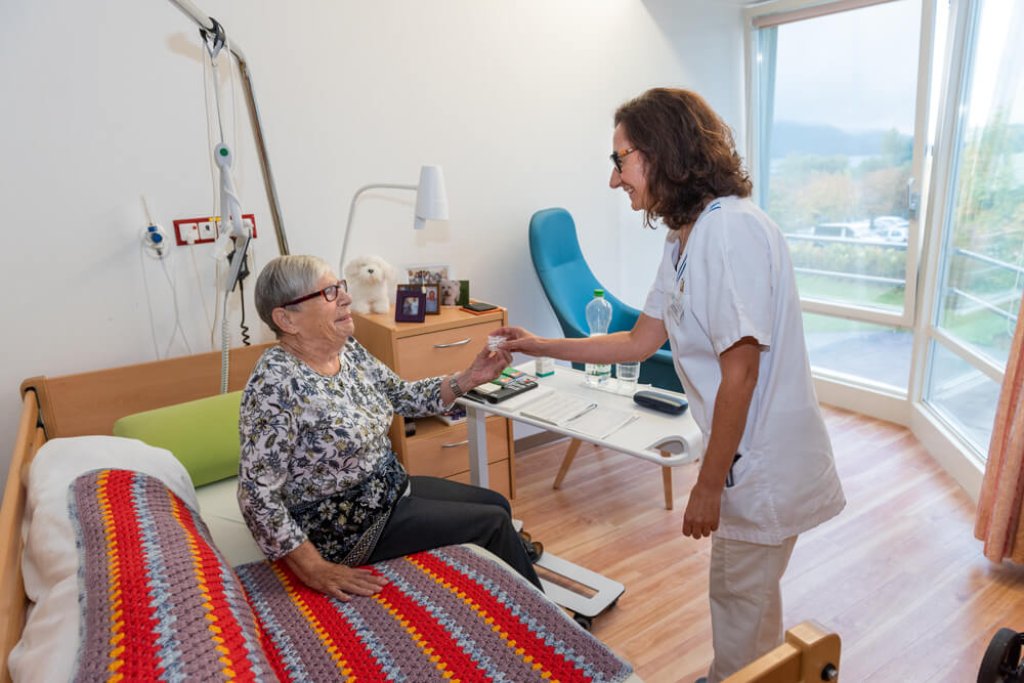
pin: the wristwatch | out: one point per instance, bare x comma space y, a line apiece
453, 384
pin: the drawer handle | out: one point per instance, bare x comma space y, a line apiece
451, 344
456, 444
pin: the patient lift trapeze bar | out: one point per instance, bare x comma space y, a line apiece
213, 32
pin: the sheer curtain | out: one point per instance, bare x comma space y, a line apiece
1002, 492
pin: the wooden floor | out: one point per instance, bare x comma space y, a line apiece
898, 574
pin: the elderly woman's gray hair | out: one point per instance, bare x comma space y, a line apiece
284, 279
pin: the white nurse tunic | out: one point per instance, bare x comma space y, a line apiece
735, 280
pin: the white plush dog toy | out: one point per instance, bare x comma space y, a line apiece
371, 280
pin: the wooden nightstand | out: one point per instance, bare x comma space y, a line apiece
440, 345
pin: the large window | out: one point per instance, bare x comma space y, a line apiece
981, 276
837, 119
887, 140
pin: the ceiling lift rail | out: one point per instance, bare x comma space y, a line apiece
209, 26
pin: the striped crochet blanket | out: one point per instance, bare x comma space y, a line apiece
159, 602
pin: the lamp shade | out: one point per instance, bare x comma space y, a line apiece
431, 197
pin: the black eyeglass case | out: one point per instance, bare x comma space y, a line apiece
661, 402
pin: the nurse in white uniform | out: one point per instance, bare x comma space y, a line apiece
725, 297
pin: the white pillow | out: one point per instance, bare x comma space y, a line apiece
49, 562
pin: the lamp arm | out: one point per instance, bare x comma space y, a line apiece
352, 212
208, 24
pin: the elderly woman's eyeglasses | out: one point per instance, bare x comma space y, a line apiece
329, 293
618, 155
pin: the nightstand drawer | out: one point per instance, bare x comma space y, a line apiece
498, 478
440, 450
442, 352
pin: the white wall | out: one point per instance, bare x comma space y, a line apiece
103, 101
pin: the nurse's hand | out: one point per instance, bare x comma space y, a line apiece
518, 339
703, 510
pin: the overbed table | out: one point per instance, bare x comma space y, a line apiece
667, 440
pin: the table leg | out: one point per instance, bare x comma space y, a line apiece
666, 479
570, 453
476, 425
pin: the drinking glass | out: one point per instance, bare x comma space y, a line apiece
627, 375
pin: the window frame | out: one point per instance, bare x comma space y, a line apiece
761, 22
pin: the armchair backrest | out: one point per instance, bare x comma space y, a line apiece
567, 279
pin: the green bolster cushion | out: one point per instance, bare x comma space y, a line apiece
202, 434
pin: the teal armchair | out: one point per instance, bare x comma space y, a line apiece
569, 285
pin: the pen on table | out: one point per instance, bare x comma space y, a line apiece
582, 412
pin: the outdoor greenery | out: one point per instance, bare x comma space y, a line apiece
808, 189
850, 257
988, 237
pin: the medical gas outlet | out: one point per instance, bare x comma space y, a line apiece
206, 229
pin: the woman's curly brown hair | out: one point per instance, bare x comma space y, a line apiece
689, 150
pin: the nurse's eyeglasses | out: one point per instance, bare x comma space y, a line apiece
618, 155
329, 293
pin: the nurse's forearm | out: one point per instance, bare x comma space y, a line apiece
639, 343
606, 348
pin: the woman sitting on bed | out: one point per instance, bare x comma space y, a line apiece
319, 484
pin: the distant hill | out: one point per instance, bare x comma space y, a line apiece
789, 137
798, 138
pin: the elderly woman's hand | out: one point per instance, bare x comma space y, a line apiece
335, 580
486, 366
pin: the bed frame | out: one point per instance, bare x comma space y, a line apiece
90, 403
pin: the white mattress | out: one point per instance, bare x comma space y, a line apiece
219, 509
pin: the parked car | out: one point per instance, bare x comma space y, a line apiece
881, 223
896, 233
855, 230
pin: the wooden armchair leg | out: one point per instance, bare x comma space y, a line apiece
570, 453
666, 480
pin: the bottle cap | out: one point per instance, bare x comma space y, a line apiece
599, 292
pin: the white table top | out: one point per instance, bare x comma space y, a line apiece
648, 436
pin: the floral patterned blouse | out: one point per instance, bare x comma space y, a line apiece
306, 436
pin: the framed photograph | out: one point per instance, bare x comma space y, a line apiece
410, 306
427, 275
433, 295
449, 292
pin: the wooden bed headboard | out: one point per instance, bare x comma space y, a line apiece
90, 403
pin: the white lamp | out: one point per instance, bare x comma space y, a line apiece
431, 202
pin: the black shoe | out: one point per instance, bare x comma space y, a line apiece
534, 549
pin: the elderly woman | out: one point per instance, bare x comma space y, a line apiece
319, 484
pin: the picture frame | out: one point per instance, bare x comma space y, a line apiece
427, 275
432, 294
410, 306
450, 292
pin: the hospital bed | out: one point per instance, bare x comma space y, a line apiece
89, 404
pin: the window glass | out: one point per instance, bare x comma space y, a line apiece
877, 353
965, 397
838, 134
983, 252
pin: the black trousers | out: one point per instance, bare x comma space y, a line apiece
439, 512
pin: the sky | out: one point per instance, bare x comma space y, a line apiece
856, 70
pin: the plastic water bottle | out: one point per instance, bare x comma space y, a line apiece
599, 316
